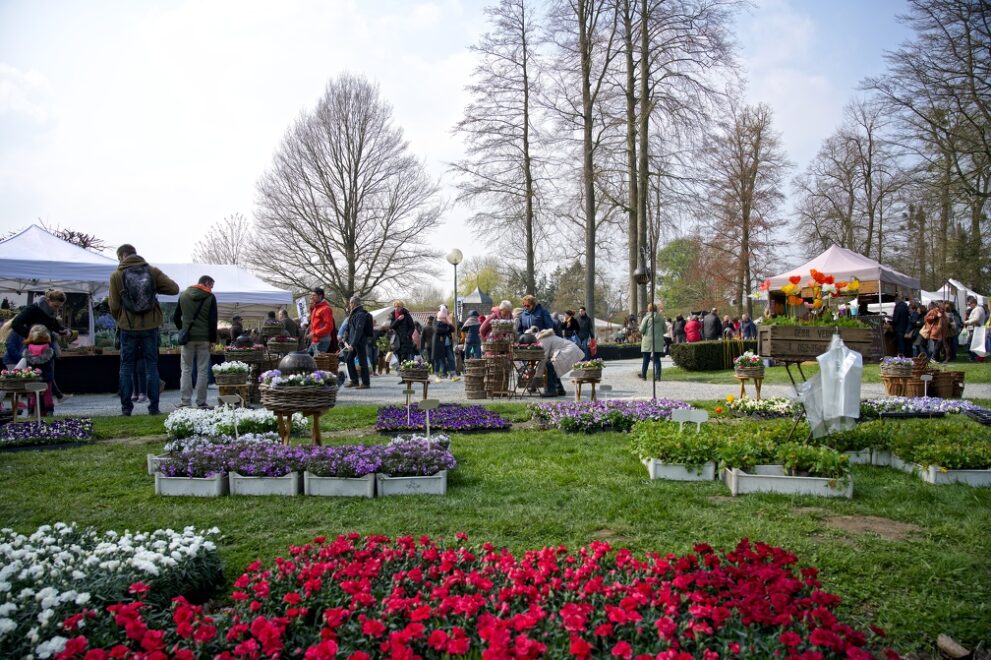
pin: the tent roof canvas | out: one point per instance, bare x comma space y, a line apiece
36, 258
235, 288
844, 265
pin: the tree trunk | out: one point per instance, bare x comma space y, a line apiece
531, 256
585, 47
645, 110
637, 291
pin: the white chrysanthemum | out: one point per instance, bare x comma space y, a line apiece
6, 626
51, 647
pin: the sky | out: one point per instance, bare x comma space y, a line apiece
146, 122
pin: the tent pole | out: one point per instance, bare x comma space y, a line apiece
91, 324
880, 309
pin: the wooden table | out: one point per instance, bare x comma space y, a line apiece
243, 391
409, 382
758, 383
578, 382
283, 417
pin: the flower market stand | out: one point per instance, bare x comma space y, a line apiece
408, 382
529, 376
579, 381
758, 382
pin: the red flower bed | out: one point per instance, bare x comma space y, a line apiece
355, 597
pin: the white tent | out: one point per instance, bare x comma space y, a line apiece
846, 264
236, 289
37, 259
952, 290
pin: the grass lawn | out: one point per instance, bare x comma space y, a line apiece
975, 373
919, 572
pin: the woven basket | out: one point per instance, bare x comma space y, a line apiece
309, 397
947, 384
282, 346
750, 372
231, 379
248, 357
915, 387
496, 346
414, 374
920, 364
895, 385
272, 330
897, 370
327, 361
16, 384
528, 354
587, 374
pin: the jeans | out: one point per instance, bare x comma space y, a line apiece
360, 352
473, 349
646, 362
198, 352
321, 346
582, 344
132, 341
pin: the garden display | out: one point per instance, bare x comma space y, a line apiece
754, 600
762, 408
309, 391
669, 452
913, 406
587, 370
447, 417
231, 373
613, 414
187, 422
749, 365
62, 431
52, 580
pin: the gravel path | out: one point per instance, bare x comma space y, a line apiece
619, 375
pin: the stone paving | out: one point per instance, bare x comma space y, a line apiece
620, 375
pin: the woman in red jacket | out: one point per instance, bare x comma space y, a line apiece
693, 330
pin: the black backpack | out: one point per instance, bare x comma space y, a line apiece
138, 290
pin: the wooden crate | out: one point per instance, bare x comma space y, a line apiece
806, 342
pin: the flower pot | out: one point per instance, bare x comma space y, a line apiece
587, 374
414, 374
896, 370
680, 472
285, 485
904, 466
307, 397
750, 372
435, 484
154, 461
741, 482
327, 362
273, 330
941, 476
281, 346
231, 378
214, 486
338, 486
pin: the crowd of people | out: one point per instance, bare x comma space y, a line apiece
937, 329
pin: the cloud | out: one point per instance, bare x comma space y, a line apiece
25, 95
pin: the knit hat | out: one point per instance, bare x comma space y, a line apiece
442, 314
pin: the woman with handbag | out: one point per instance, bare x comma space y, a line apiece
935, 330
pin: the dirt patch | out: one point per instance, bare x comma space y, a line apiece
530, 425
890, 530
609, 535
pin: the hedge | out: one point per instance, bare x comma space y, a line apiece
710, 355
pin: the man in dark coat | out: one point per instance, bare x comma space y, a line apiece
197, 314
900, 325
427, 340
360, 330
712, 327
401, 323
586, 330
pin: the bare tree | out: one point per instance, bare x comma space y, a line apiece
345, 204
82, 239
828, 197
226, 242
499, 128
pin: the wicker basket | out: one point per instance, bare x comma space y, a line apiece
282, 347
920, 365
272, 330
750, 372
496, 346
895, 385
248, 357
915, 387
475, 387
16, 384
327, 361
414, 374
897, 370
231, 379
528, 354
587, 374
947, 384
309, 397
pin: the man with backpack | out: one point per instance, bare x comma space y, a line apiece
196, 318
133, 301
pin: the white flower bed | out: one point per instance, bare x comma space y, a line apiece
772, 407
199, 441
58, 569
186, 422
234, 367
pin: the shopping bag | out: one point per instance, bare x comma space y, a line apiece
592, 347
978, 341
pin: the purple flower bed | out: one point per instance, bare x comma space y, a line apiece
344, 461
613, 415
267, 460
415, 458
59, 431
447, 417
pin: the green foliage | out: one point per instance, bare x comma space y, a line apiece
682, 277
868, 435
817, 461
709, 355
664, 442
955, 454
745, 451
838, 321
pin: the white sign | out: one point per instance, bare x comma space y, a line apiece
303, 310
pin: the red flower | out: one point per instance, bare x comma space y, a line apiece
790, 639
795, 279
622, 650
372, 628
139, 588
579, 647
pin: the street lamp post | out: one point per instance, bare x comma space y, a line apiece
645, 272
454, 257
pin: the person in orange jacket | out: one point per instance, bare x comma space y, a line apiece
323, 331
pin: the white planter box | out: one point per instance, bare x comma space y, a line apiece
338, 486
942, 476
288, 485
435, 484
862, 457
770, 469
189, 486
881, 457
904, 466
741, 482
154, 462
679, 472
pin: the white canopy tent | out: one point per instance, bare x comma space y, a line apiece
237, 290
37, 259
952, 290
846, 264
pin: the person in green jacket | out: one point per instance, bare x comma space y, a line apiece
196, 316
652, 328
133, 302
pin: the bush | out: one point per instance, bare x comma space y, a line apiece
664, 442
817, 461
710, 355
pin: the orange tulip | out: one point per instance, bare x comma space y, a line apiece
795, 300
817, 303
795, 279
818, 277
830, 279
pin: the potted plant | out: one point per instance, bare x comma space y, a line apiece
414, 467
265, 469
804, 470
342, 471
897, 367
245, 353
231, 373
316, 390
671, 453
962, 459
14, 380
282, 343
587, 370
415, 369
749, 365
199, 473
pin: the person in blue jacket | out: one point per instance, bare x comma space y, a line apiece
533, 316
